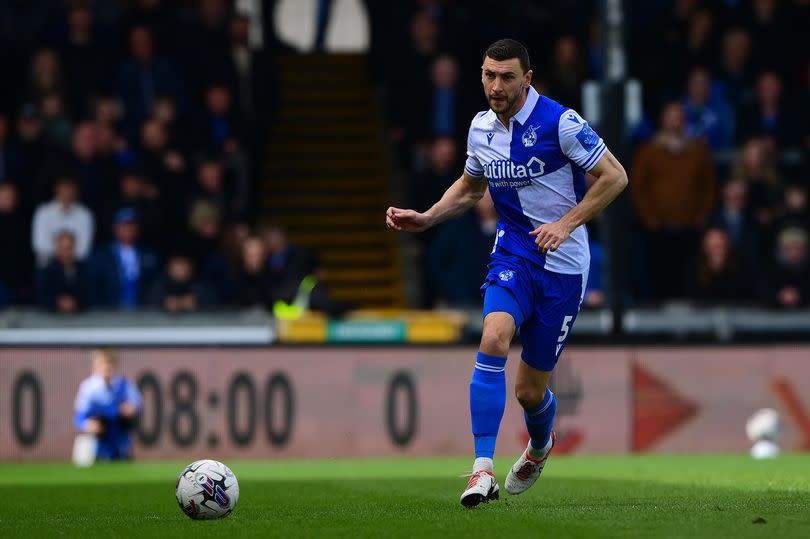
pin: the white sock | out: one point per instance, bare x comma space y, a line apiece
538, 454
483, 463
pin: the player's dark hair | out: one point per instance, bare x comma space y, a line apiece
506, 49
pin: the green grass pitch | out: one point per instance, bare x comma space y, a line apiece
641, 496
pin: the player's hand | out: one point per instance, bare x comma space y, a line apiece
550, 236
127, 410
93, 426
406, 220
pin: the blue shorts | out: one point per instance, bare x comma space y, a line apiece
544, 305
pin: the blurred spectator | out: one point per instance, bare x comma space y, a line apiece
250, 74
211, 186
63, 213
123, 270
768, 116
144, 76
107, 110
735, 218
136, 192
107, 407
15, 269
770, 32
158, 17
287, 263
24, 22
56, 125
204, 224
734, 76
112, 150
178, 290
670, 35
165, 112
595, 295
253, 284
755, 167
45, 75
85, 62
673, 192
594, 49
794, 210
219, 130
220, 267
31, 150
96, 174
203, 43
448, 265
295, 275
62, 285
164, 165
220, 133
566, 73
10, 160
700, 45
441, 173
787, 285
409, 87
719, 276
487, 218
708, 117
448, 116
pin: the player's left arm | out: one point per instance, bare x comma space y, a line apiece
611, 179
131, 403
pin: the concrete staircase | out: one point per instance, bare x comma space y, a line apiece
326, 176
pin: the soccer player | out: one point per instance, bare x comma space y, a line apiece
107, 407
533, 154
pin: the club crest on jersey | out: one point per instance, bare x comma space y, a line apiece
529, 137
587, 138
506, 275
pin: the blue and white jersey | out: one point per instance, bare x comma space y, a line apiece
536, 173
96, 399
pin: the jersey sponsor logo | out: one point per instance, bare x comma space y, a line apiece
588, 138
506, 169
529, 137
506, 275
489, 138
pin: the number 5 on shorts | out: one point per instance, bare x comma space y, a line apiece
564, 329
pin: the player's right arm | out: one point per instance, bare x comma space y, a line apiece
460, 197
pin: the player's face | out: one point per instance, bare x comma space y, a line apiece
504, 82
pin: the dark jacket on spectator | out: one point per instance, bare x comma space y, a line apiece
108, 275
254, 289
166, 287
17, 261
56, 280
781, 276
286, 270
129, 85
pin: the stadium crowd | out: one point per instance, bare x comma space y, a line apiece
717, 164
128, 146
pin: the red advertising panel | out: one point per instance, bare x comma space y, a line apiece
356, 402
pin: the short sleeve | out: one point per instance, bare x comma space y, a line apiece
579, 142
83, 398
132, 395
473, 165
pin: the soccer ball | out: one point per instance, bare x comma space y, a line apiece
207, 489
765, 424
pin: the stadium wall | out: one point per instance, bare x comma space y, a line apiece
385, 401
